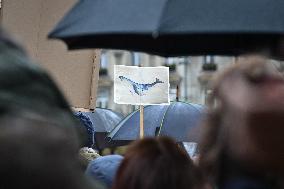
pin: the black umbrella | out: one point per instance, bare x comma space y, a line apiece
176, 27
103, 121
178, 120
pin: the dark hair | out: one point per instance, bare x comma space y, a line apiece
229, 135
156, 163
36, 153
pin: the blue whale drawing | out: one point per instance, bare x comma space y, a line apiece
139, 88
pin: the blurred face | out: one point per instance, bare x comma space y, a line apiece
254, 120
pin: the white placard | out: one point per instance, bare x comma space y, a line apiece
141, 85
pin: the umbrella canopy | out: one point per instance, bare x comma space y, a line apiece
181, 122
175, 28
176, 120
102, 121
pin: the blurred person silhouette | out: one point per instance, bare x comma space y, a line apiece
39, 137
156, 163
38, 153
24, 84
104, 169
87, 153
243, 133
88, 127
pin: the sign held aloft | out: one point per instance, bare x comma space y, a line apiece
141, 85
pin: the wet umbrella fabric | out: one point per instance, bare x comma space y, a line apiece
181, 122
128, 128
176, 120
101, 122
104, 120
175, 28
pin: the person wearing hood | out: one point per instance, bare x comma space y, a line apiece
104, 169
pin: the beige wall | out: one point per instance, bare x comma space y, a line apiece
76, 72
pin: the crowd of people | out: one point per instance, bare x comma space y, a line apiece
241, 145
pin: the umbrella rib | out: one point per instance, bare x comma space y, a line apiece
119, 125
200, 111
161, 125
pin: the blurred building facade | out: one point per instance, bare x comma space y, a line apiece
191, 74
76, 72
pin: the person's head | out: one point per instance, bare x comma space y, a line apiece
244, 125
86, 155
26, 85
37, 153
104, 169
156, 163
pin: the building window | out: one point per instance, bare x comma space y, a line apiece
209, 64
102, 99
170, 61
103, 60
176, 60
136, 59
209, 59
173, 94
103, 63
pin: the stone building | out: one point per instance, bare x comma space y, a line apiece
77, 72
186, 72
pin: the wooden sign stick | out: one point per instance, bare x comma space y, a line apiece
141, 121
